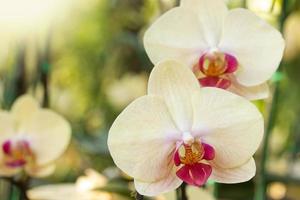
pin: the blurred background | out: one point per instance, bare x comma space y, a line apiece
85, 59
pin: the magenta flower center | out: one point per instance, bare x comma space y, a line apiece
216, 67
192, 162
17, 153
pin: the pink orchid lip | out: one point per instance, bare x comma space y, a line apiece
215, 66
16, 154
16, 163
194, 169
196, 174
232, 63
6, 147
212, 81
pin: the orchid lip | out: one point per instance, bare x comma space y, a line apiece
215, 66
17, 153
192, 162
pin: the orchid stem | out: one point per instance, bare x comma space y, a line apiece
260, 191
178, 194
138, 196
22, 185
183, 191
44, 68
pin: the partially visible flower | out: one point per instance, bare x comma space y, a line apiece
277, 191
291, 33
179, 132
234, 50
91, 181
31, 138
121, 92
83, 189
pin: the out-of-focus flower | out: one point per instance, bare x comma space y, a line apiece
179, 132
193, 193
291, 33
234, 50
260, 6
121, 92
277, 191
31, 138
81, 190
91, 181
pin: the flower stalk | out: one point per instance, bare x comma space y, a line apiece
183, 191
261, 184
21, 184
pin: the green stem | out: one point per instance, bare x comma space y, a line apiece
16, 85
20, 76
44, 69
183, 191
11, 191
21, 184
261, 184
178, 193
216, 189
260, 192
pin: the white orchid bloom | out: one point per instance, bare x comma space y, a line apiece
31, 138
230, 49
84, 189
181, 132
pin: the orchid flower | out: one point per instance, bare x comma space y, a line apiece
84, 189
233, 50
181, 132
31, 138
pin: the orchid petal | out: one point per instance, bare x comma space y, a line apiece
8, 171
143, 139
257, 46
24, 108
211, 14
64, 191
7, 129
7, 126
177, 34
251, 93
235, 126
48, 134
169, 183
176, 84
234, 175
39, 172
